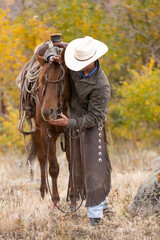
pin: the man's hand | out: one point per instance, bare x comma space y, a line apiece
62, 121
61, 44
54, 59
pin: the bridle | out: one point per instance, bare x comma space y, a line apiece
60, 88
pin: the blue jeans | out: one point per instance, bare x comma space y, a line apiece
97, 211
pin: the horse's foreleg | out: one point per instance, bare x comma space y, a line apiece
54, 171
41, 154
43, 186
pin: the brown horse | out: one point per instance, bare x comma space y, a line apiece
51, 98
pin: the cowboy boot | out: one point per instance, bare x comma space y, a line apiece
94, 221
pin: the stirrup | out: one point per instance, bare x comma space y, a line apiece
20, 125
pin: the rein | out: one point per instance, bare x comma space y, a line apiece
55, 203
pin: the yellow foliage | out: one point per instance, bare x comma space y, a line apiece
10, 138
136, 111
17, 42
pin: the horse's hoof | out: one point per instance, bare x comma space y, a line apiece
42, 195
56, 198
73, 208
43, 191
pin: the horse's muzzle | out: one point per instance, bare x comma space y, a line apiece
48, 114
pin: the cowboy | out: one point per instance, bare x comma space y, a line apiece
87, 112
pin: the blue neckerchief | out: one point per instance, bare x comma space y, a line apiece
90, 73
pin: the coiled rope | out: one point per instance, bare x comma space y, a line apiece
32, 77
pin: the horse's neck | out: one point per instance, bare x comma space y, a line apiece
67, 87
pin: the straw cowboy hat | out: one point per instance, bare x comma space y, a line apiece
83, 51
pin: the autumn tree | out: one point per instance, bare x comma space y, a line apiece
18, 38
135, 112
129, 28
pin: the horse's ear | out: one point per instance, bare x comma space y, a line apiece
40, 59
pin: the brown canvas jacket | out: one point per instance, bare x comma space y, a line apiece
90, 97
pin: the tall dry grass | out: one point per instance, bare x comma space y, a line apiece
24, 215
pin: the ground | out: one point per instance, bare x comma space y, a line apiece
24, 215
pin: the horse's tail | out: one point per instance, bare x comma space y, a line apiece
31, 157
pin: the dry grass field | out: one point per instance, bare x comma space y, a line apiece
24, 215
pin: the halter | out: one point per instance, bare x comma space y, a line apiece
60, 85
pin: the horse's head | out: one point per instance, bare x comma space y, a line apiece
54, 89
